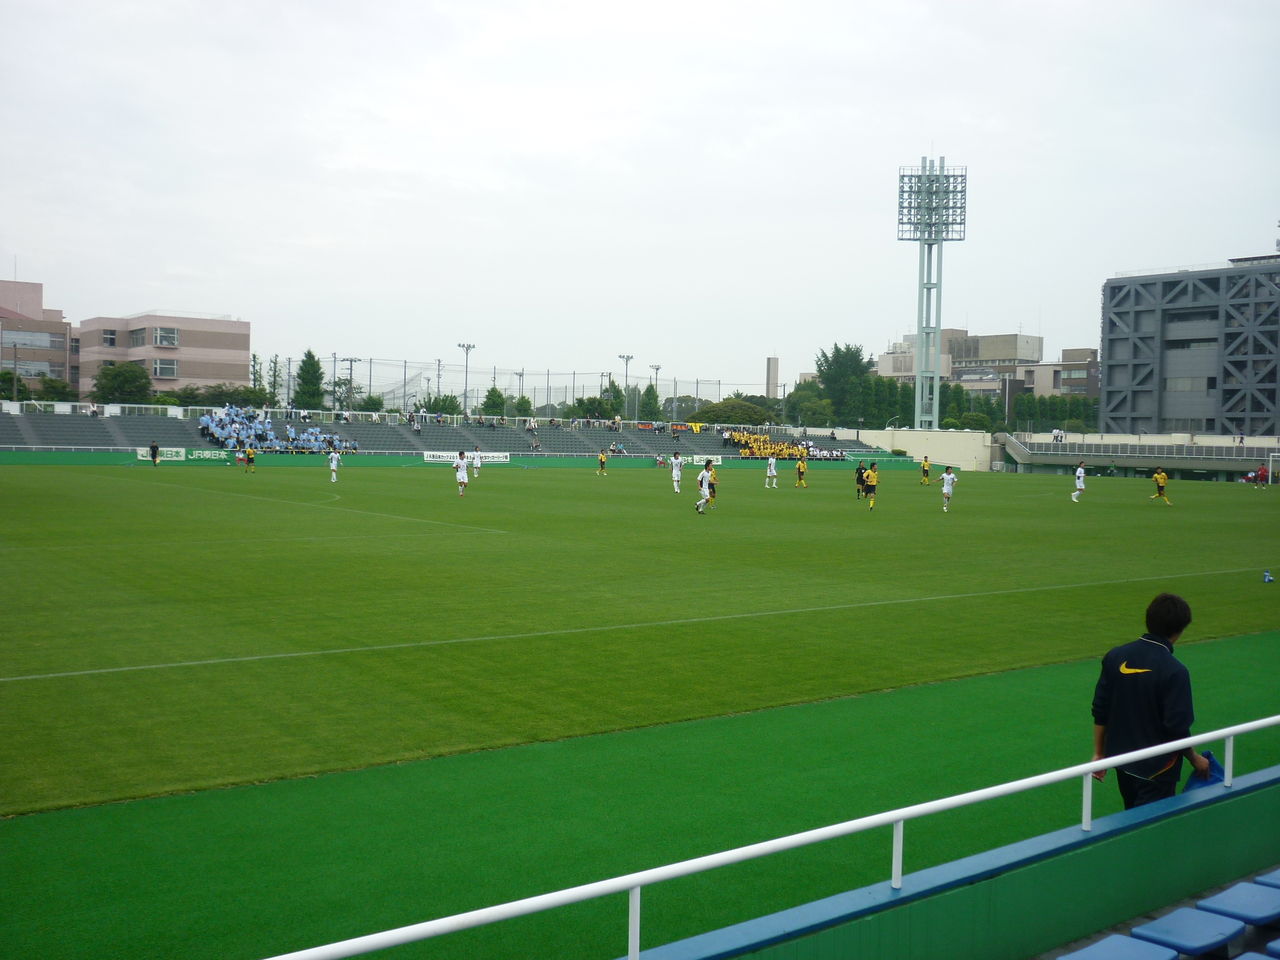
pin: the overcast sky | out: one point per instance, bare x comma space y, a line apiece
698, 184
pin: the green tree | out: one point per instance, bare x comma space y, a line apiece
733, 411
975, 421
236, 394
346, 393
838, 373
370, 404
51, 388
801, 394
494, 403
650, 405
445, 403
907, 403
686, 408
188, 396
275, 379
255, 370
523, 407
122, 383
308, 389
6, 387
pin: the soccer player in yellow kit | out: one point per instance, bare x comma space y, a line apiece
600, 471
712, 488
869, 481
924, 472
801, 467
1160, 478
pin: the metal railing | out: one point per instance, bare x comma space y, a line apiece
633, 883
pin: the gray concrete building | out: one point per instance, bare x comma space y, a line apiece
1192, 351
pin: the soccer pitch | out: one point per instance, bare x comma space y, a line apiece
178, 628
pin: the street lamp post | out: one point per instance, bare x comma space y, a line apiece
655, 367
626, 359
466, 349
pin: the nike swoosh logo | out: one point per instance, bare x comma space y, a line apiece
1125, 668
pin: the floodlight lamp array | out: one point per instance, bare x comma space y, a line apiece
931, 203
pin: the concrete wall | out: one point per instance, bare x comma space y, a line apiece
960, 449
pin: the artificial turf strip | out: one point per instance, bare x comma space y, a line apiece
545, 604
251, 871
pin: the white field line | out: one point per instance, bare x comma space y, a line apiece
606, 628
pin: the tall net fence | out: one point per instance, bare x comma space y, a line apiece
406, 384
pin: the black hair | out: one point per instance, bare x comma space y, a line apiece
1168, 615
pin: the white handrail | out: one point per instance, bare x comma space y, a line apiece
632, 883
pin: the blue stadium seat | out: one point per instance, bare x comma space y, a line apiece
1273, 948
1117, 947
1190, 931
1251, 902
1271, 879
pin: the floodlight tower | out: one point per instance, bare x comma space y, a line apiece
931, 210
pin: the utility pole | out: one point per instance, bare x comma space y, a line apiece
626, 359
351, 384
466, 349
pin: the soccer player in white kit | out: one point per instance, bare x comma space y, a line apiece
1075, 497
704, 488
335, 461
475, 464
460, 471
677, 467
771, 473
949, 481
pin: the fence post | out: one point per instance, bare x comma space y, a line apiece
1229, 761
895, 880
1086, 806
633, 924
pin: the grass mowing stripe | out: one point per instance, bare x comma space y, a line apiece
329, 506
603, 628
585, 551
243, 873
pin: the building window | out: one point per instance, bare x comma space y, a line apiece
165, 337
164, 368
75, 346
108, 338
138, 337
33, 339
1029, 378
108, 363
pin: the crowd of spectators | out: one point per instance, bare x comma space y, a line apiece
237, 428
762, 445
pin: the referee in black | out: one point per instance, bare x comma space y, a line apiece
1143, 698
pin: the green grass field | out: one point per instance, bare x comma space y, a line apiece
181, 628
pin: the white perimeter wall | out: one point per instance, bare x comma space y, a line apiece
959, 449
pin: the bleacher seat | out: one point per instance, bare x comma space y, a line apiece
1273, 948
1254, 903
1271, 879
1189, 931
1118, 947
